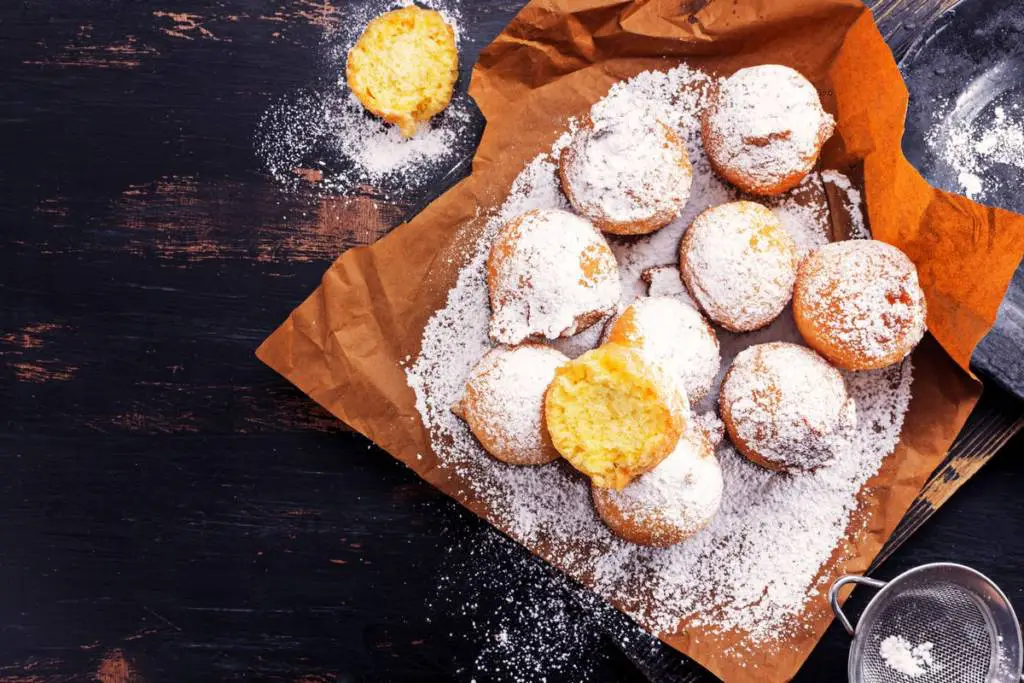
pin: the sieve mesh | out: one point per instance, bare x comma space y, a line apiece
971, 627
951, 618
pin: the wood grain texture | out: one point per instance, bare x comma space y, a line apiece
169, 508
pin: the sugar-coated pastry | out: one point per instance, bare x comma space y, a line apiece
670, 503
404, 65
550, 274
673, 335
764, 128
785, 408
859, 304
503, 403
628, 173
613, 415
739, 265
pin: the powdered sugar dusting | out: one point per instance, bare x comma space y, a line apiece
788, 405
504, 402
755, 567
767, 124
675, 337
625, 167
739, 265
910, 660
972, 147
551, 273
683, 492
867, 295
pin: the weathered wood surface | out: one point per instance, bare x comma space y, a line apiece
169, 508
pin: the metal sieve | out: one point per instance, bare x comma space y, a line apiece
970, 623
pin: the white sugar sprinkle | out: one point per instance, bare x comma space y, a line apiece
910, 660
767, 124
624, 168
756, 566
551, 274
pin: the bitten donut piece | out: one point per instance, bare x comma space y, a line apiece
550, 274
629, 174
859, 304
670, 503
404, 65
785, 408
674, 336
739, 265
612, 415
503, 403
764, 128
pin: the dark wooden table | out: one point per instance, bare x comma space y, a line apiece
169, 508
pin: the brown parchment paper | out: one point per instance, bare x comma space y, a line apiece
346, 344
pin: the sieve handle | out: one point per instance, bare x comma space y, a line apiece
833, 597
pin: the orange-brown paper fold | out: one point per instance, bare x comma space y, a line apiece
346, 345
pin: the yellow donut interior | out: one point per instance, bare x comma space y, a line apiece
610, 416
404, 66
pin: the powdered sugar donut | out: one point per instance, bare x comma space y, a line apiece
785, 407
670, 503
764, 128
549, 274
859, 304
629, 174
672, 335
739, 265
503, 403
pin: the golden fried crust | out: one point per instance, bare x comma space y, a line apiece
746, 183
649, 531
647, 524
859, 304
484, 414
745, 449
404, 66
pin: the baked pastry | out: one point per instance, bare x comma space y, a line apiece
674, 336
670, 503
503, 403
404, 65
785, 408
739, 265
629, 174
612, 414
549, 274
764, 127
859, 304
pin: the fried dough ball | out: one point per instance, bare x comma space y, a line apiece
674, 336
550, 274
739, 265
764, 128
859, 304
785, 408
503, 403
630, 175
670, 503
